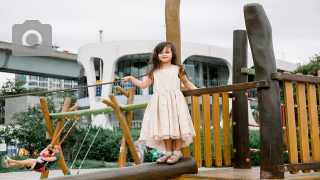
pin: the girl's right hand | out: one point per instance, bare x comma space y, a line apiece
125, 79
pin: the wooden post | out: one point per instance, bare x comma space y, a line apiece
61, 161
123, 147
260, 38
240, 130
126, 132
172, 12
46, 115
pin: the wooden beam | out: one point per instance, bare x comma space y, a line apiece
295, 77
227, 88
144, 171
89, 112
260, 38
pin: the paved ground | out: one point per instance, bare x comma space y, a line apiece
204, 173
31, 175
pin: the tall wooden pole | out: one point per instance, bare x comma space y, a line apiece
240, 132
172, 13
271, 144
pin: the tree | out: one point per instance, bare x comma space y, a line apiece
12, 87
311, 68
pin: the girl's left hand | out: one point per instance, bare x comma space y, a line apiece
125, 79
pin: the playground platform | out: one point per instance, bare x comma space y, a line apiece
229, 173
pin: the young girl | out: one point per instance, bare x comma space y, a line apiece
167, 124
43, 154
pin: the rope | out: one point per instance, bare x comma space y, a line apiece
68, 132
67, 89
91, 145
85, 137
68, 119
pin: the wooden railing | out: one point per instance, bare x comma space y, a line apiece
210, 122
307, 113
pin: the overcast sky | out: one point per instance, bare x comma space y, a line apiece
295, 23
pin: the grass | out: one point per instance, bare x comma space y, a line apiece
88, 164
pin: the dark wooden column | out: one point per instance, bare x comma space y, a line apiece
260, 38
240, 131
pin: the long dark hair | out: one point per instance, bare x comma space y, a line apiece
156, 63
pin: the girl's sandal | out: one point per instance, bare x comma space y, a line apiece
174, 158
163, 159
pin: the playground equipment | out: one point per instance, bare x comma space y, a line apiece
267, 85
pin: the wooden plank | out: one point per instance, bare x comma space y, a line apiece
216, 129
206, 130
297, 167
290, 124
196, 121
226, 129
271, 133
227, 88
294, 77
313, 121
186, 150
303, 123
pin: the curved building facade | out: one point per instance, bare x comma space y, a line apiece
206, 66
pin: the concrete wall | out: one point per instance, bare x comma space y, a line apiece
19, 104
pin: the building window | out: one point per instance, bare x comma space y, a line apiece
43, 84
204, 74
131, 67
43, 79
33, 83
67, 86
67, 81
33, 77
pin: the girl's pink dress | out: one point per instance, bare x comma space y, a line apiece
167, 114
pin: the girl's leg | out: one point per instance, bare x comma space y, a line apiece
168, 144
27, 162
176, 153
178, 144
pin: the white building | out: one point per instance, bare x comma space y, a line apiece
206, 65
46, 82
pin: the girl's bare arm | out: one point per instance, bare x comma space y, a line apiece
142, 84
186, 82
